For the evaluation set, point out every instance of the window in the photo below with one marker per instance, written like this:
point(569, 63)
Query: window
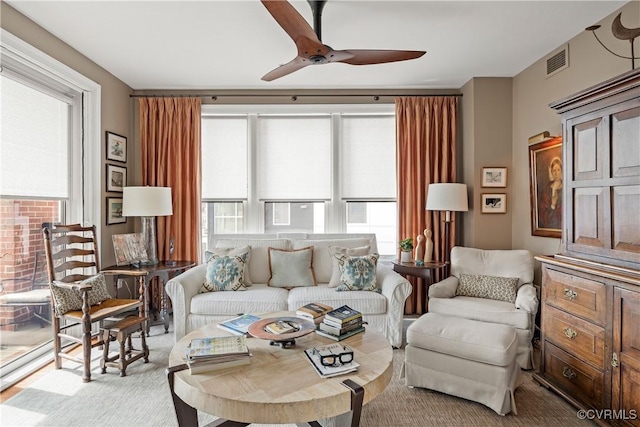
point(49, 173)
point(311, 168)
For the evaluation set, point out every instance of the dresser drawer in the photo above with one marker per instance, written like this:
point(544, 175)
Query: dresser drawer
point(577, 378)
point(574, 294)
point(574, 335)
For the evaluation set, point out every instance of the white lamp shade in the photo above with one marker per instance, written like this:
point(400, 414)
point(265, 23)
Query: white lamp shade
point(447, 197)
point(146, 201)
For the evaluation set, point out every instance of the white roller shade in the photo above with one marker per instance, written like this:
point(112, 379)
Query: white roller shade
point(34, 138)
point(224, 158)
point(294, 158)
point(368, 158)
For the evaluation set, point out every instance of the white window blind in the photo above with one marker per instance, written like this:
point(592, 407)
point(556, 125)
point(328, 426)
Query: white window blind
point(224, 158)
point(34, 142)
point(368, 158)
point(294, 158)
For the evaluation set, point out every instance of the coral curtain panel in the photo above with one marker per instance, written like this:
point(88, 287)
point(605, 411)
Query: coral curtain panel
point(171, 157)
point(425, 153)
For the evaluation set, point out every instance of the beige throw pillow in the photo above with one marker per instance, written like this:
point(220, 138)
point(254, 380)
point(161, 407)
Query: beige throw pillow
point(291, 269)
point(490, 287)
point(335, 267)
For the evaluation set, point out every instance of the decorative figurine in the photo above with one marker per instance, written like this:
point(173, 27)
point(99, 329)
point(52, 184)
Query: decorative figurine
point(419, 247)
point(172, 248)
point(428, 247)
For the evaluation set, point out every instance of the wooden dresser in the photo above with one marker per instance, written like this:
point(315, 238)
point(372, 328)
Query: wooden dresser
point(590, 319)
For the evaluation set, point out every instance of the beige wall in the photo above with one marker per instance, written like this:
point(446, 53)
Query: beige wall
point(116, 110)
point(589, 64)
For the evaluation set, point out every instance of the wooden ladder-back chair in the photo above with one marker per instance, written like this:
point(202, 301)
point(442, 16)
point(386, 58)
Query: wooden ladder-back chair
point(73, 265)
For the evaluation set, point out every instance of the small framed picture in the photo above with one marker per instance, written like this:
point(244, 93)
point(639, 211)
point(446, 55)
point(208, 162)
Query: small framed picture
point(116, 147)
point(494, 177)
point(116, 178)
point(494, 203)
point(114, 211)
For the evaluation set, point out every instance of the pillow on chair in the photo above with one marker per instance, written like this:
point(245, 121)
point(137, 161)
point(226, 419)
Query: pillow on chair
point(490, 287)
point(98, 292)
point(70, 300)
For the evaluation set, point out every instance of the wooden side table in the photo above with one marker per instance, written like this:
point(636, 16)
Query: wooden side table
point(425, 272)
point(164, 271)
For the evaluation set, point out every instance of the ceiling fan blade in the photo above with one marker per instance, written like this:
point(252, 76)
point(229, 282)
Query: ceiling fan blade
point(288, 68)
point(366, 56)
point(290, 20)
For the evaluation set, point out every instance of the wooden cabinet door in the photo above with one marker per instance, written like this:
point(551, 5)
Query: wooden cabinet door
point(626, 355)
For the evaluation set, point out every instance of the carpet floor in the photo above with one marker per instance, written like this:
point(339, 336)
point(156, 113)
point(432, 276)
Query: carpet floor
point(142, 398)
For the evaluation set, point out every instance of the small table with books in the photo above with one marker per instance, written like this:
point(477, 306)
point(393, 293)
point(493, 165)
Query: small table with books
point(280, 385)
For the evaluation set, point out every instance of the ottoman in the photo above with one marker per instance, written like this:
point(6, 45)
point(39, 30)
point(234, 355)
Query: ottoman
point(465, 358)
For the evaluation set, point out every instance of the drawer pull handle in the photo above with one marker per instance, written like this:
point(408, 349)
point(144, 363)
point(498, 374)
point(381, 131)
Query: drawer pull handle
point(570, 294)
point(568, 373)
point(570, 333)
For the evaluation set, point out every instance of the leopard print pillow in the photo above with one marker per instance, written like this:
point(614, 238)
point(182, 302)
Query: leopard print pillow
point(490, 287)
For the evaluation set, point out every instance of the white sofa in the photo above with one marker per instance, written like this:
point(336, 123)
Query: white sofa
point(520, 315)
point(383, 311)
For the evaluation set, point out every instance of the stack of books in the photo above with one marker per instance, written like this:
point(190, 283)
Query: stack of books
point(210, 354)
point(341, 323)
point(238, 325)
point(314, 311)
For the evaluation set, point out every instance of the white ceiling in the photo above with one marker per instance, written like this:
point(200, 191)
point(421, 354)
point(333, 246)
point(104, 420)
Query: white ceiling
point(215, 44)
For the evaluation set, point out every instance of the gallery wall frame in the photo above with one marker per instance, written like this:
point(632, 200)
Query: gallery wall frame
point(116, 178)
point(494, 177)
point(114, 211)
point(116, 147)
point(494, 203)
point(546, 187)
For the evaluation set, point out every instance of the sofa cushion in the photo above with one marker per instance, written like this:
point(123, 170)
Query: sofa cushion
point(322, 259)
point(232, 251)
point(290, 269)
point(257, 299)
point(225, 273)
point(335, 267)
point(259, 258)
point(358, 273)
point(485, 310)
point(491, 287)
point(364, 301)
point(489, 343)
point(505, 263)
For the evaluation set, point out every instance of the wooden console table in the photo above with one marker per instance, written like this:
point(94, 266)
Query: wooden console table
point(425, 272)
point(163, 271)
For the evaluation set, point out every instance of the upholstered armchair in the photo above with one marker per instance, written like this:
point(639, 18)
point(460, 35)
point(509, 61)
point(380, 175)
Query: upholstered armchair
point(494, 286)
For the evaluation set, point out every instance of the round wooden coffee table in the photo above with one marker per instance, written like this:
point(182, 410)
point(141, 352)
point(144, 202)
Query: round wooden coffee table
point(280, 386)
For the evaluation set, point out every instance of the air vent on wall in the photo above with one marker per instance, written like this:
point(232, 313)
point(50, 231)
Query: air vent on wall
point(558, 60)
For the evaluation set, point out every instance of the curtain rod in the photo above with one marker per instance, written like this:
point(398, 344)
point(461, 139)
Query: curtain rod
point(293, 97)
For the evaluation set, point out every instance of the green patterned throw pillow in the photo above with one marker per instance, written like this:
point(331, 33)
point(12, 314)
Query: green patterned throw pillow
point(358, 273)
point(490, 287)
point(225, 273)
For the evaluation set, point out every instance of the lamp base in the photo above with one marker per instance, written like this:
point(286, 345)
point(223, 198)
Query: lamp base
point(150, 241)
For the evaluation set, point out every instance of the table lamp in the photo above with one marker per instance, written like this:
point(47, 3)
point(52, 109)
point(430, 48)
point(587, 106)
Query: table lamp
point(447, 197)
point(147, 203)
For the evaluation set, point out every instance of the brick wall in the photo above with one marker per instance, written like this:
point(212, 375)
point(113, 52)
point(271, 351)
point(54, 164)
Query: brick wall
point(21, 247)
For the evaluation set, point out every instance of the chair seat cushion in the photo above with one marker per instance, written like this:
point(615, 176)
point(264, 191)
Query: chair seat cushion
point(488, 343)
point(484, 310)
point(259, 298)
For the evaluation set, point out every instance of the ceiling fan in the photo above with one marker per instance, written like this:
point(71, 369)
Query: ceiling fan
point(311, 50)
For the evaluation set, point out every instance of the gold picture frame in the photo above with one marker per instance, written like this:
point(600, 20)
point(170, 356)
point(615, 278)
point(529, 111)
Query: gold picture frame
point(546, 188)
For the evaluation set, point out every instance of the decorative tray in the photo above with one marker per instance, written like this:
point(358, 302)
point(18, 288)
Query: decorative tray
point(303, 327)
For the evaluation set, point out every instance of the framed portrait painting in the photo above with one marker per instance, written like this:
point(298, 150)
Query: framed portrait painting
point(546, 189)
point(116, 178)
point(116, 147)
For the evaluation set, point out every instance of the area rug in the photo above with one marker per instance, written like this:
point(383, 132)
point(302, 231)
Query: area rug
point(142, 398)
